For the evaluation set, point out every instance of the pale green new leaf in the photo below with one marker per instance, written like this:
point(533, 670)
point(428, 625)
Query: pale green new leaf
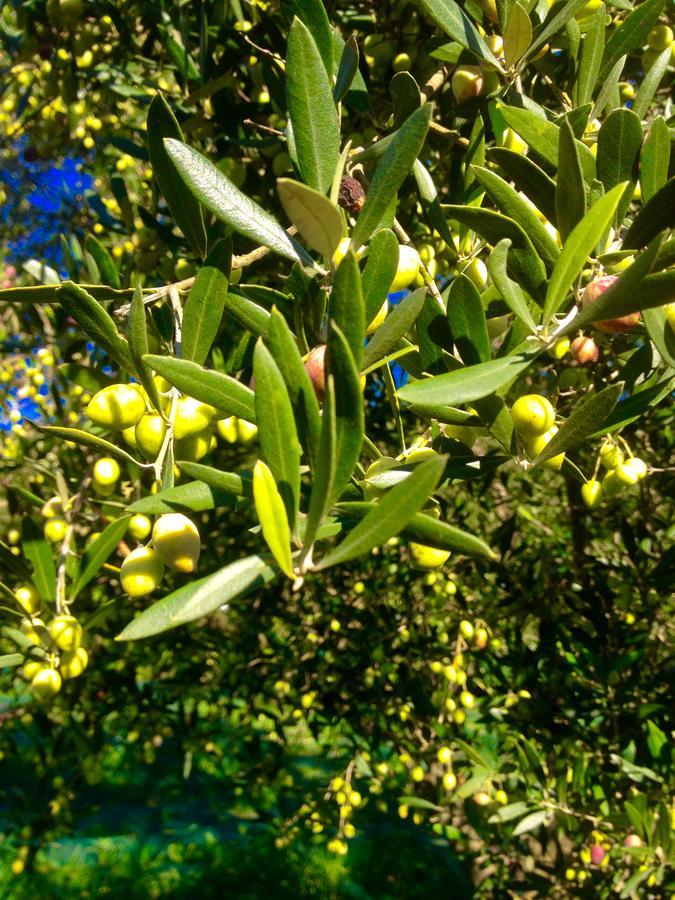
point(316, 218)
point(272, 516)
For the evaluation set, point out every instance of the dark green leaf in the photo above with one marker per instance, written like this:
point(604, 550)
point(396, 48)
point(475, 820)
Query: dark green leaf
point(349, 66)
point(348, 408)
point(556, 20)
point(222, 391)
point(467, 384)
point(379, 272)
point(619, 141)
point(277, 431)
point(316, 218)
point(205, 303)
point(650, 83)
point(592, 49)
point(577, 249)
point(510, 290)
point(512, 205)
point(242, 309)
point(284, 349)
point(395, 326)
point(432, 205)
point(185, 209)
point(229, 204)
point(104, 261)
point(661, 334)
point(390, 515)
point(570, 195)
point(322, 485)
point(452, 19)
point(582, 422)
point(405, 95)
point(657, 214)
point(86, 439)
point(138, 348)
point(528, 178)
point(526, 266)
point(391, 170)
point(630, 34)
point(313, 14)
point(201, 598)
point(312, 113)
point(345, 306)
point(466, 316)
point(98, 552)
point(95, 322)
point(238, 484)
point(195, 496)
point(37, 551)
point(542, 136)
point(654, 159)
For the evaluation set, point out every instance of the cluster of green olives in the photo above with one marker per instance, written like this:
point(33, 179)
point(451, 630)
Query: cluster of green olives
point(175, 543)
point(62, 655)
point(534, 421)
point(622, 470)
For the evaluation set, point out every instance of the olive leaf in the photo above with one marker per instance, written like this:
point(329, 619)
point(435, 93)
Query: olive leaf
point(316, 218)
point(272, 516)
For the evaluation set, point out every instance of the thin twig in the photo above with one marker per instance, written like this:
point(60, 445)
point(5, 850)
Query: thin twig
point(70, 515)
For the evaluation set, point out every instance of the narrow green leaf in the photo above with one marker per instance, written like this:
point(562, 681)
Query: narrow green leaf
point(542, 136)
point(104, 261)
point(316, 218)
point(528, 178)
point(138, 347)
point(581, 423)
point(466, 316)
point(379, 272)
point(185, 209)
point(245, 311)
point(37, 551)
point(511, 204)
point(222, 391)
point(570, 195)
point(577, 249)
point(451, 18)
point(324, 475)
point(391, 170)
point(525, 264)
point(348, 408)
point(660, 332)
point(312, 112)
point(201, 598)
point(467, 384)
point(284, 349)
point(432, 205)
point(95, 322)
point(657, 214)
point(98, 552)
point(517, 35)
point(633, 408)
point(592, 47)
point(345, 306)
point(86, 439)
point(347, 69)
point(205, 303)
point(277, 432)
point(406, 97)
point(229, 204)
point(238, 484)
point(195, 496)
point(650, 83)
point(429, 530)
point(556, 20)
point(313, 14)
point(631, 33)
point(272, 517)
point(654, 159)
point(390, 515)
point(608, 95)
point(510, 291)
point(395, 326)
point(619, 141)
